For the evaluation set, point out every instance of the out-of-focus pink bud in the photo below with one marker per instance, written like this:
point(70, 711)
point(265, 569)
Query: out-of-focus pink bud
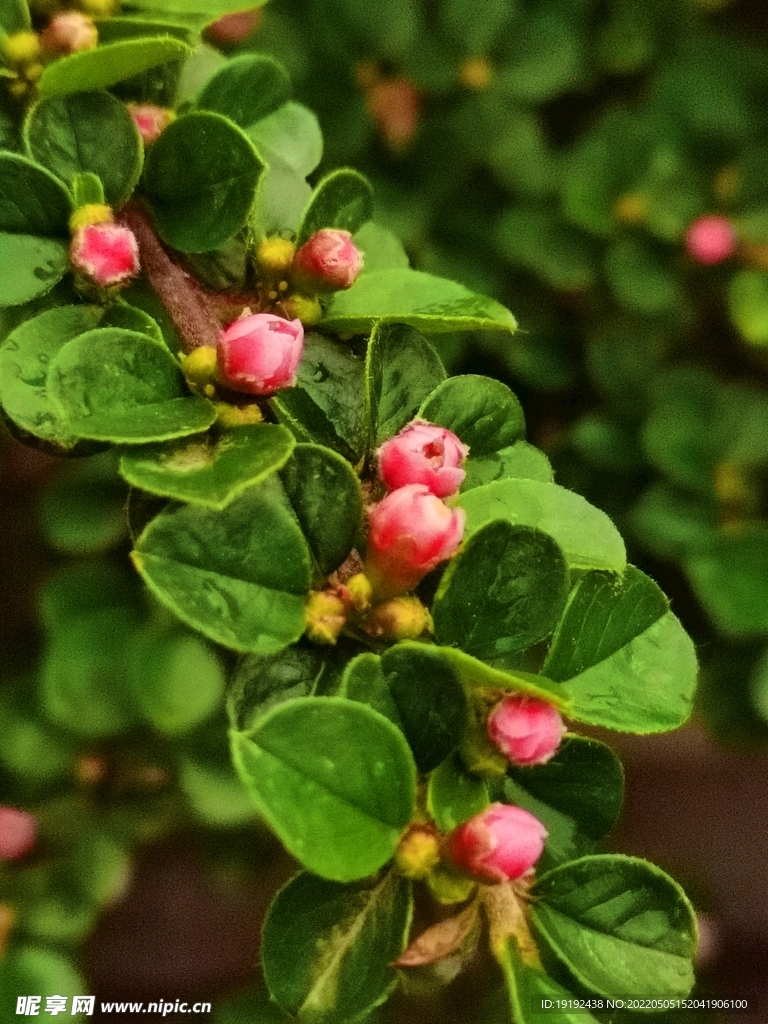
point(105, 253)
point(69, 32)
point(260, 353)
point(150, 120)
point(18, 833)
point(500, 844)
point(327, 262)
point(233, 28)
point(423, 454)
point(410, 532)
point(711, 239)
point(524, 729)
point(394, 106)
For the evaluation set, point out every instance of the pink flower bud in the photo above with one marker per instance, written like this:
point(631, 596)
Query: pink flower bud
point(69, 32)
point(410, 532)
point(711, 239)
point(259, 354)
point(423, 454)
point(524, 729)
point(106, 253)
point(394, 106)
point(233, 28)
point(500, 844)
point(18, 833)
point(327, 262)
point(150, 120)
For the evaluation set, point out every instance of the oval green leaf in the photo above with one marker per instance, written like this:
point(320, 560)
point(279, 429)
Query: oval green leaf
point(247, 88)
point(334, 779)
point(107, 65)
point(484, 413)
point(32, 200)
point(343, 199)
point(454, 795)
point(520, 461)
point(31, 266)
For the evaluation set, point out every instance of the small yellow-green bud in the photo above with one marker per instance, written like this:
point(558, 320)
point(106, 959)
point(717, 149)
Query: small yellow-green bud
point(360, 591)
point(303, 307)
point(237, 415)
point(274, 257)
point(447, 886)
point(21, 47)
point(199, 367)
point(400, 618)
point(475, 73)
point(629, 209)
point(326, 617)
point(419, 852)
point(91, 213)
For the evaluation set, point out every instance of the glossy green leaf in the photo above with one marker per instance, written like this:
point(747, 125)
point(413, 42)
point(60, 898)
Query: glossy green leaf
point(381, 248)
point(325, 406)
point(292, 135)
point(327, 948)
point(474, 672)
point(31, 266)
point(481, 411)
point(364, 681)
point(200, 178)
point(178, 680)
point(586, 535)
point(131, 318)
point(401, 369)
point(15, 17)
point(246, 89)
point(211, 470)
point(87, 132)
point(432, 304)
point(343, 199)
point(115, 29)
point(107, 65)
point(207, 9)
point(325, 494)
point(454, 794)
point(32, 200)
point(116, 385)
point(627, 661)
point(25, 358)
point(281, 196)
point(520, 461)
point(239, 576)
point(532, 992)
point(503, 592)
point(577, 795)
point(335, 780)
point(619, 924)
point(729, 577)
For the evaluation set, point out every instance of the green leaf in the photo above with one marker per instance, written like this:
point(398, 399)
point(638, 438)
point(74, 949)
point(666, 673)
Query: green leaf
point(207, 9)
point(520, 461)
point(327, 948)
point(120, 386)
point(619, 924)
point(178, 680)
point(83, 511)
point(640, 277)
point(131, 318)
point(364, 681)
point(483, 412)
point(239, 576)
point(29, 969)
point(292, 135)
point(672, 523)
point(504, 591)
point(118, 27)
point(343, 199)
point(334, 779)
point(454, 795)
point(577, 795)
point(474, 672)
point(325, 406)
point(627, 661)
point(32, 200)
point(107, 65)
point(282, 195)
point(246, 89)
point(325, 495)
point(411, 297)
point(211, 470)
point(15, 17)
point(217, 797)
point(24, 360)
point(31, 267)
point(401, 369)
point(748, 305)
point(200, 178)
point(532, 992)
point(586, 535)
point(87, 132)
point(381, 248)
point(729, 577)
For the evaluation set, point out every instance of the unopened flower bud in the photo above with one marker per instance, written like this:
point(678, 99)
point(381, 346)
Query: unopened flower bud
point(423, 454)
point(150, 120)
point(329, 261)
point(326, 617)
point(69, 32)
point(526, 730)
point(500, 844)
point(400, 618)
point(274, 257)
point(260, 353)
point(360, 591)
point(107, 254)
point(233, 28)
point(20, 47)
point(18, 833)
point(409, 533)
point(418, 852)
point(711, 239)
point(303, 307)
point(394, 106)
point(200, 367)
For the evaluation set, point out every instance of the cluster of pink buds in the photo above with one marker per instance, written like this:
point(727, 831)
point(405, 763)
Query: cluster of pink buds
point(102, 251)
point(18, 833)
point(412, 530)
point(259, 353)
